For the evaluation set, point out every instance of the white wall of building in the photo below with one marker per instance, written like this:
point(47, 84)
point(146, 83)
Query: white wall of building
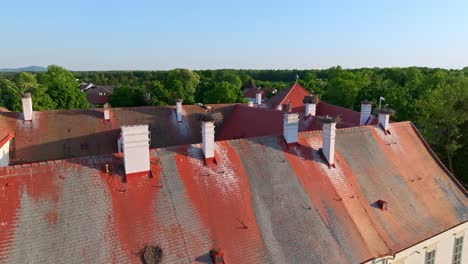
point(442, 243)
point(5, 154)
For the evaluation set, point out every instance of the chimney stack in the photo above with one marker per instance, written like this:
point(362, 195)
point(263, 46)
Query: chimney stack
point(310, 102)
point(258, 97)
point(107, 107)
point(250, 104)
point(208, 132)
point(135, 144)
point(27, 107)
point(290, 127)
point(366, 108)
point(179, 110)
point(384, 117)
point(328, 139)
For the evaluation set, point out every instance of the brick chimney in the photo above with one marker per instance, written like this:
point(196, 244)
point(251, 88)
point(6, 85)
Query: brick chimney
point(135, 144)
point(258, 97)
point(179, 110)
point(328, 139)
point(290, 127)
point(310, 102)
point(208, 132)
point(366, 108)
point(107, 107)
point(27, 107)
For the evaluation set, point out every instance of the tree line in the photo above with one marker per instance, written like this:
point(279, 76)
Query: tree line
point(435, 100)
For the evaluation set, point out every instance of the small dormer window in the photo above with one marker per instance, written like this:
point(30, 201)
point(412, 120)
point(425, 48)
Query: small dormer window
point(382, 205)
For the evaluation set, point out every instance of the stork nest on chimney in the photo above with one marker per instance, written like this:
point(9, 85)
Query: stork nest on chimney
point(178, 100)
point(211, 117)
point(310, 99)
point(26, 95)
point(287, 107)
point(329, 119)
point(366, 102)
point(386, 110)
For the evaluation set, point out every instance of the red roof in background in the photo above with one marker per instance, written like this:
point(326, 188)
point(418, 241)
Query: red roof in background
point(2, 109)
point(252, 93)
point(76, 133)
point(292, 95)
point(248, 122)
point(262, 201)
point(97, 99)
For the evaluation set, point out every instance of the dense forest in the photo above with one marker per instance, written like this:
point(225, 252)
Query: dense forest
point(435, 100)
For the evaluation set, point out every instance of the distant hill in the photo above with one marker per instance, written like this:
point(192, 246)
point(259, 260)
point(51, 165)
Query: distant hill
point(26, 69)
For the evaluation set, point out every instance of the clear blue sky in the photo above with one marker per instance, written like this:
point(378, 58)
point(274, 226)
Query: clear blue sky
point(209, 34)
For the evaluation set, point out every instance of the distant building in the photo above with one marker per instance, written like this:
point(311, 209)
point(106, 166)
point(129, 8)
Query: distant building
point(96, 95)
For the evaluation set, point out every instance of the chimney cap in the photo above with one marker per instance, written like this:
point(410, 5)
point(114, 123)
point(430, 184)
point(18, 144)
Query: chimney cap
point(179, 100)
point(287, 107)
point(329, 119)
point(310, 99)
point(386, 110)
point(365, 102)
point(107, 106)
point(26, 95)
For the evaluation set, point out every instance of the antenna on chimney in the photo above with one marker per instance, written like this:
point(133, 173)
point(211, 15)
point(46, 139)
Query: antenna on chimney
point(380, 101)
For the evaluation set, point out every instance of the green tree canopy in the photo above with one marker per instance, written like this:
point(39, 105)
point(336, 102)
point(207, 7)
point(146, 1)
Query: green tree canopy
point(62, 88)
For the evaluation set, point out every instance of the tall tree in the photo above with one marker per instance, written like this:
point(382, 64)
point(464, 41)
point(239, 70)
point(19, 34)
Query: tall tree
point(10, 98)
point(62, 88)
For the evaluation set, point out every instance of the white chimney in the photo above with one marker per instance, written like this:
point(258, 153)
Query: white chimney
point(384, 119)
point(250, 104)
point(135, 144)
point(27, 107)
point(208, 139)
point(179, 110)
point(310, 109)
point(328, 138)
point(107, 112)
point(258, 99)
point(366, 108)
point(310, 102)
point(290, 127)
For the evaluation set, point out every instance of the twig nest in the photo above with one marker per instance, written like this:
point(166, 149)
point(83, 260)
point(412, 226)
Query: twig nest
point(287, 107)
point(365, 102)
point(178, 100)
point(211, 117)
point(310, 99)
point(386, 110)
point(107, 106)
point(329, 119)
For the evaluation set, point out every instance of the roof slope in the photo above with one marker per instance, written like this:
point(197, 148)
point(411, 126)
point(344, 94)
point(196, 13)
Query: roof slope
point(263, 202)
point(76, 133)
point(292, 95)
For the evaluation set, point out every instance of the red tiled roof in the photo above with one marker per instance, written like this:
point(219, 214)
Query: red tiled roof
point(248, 122)
point(76, 133)
point(263, 202)
point(97, 99)
point(252, 93)
point(2, 109)
point(292, 95)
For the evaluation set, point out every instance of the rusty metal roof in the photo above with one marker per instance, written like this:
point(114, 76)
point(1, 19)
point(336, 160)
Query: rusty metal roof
point(262, 202)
